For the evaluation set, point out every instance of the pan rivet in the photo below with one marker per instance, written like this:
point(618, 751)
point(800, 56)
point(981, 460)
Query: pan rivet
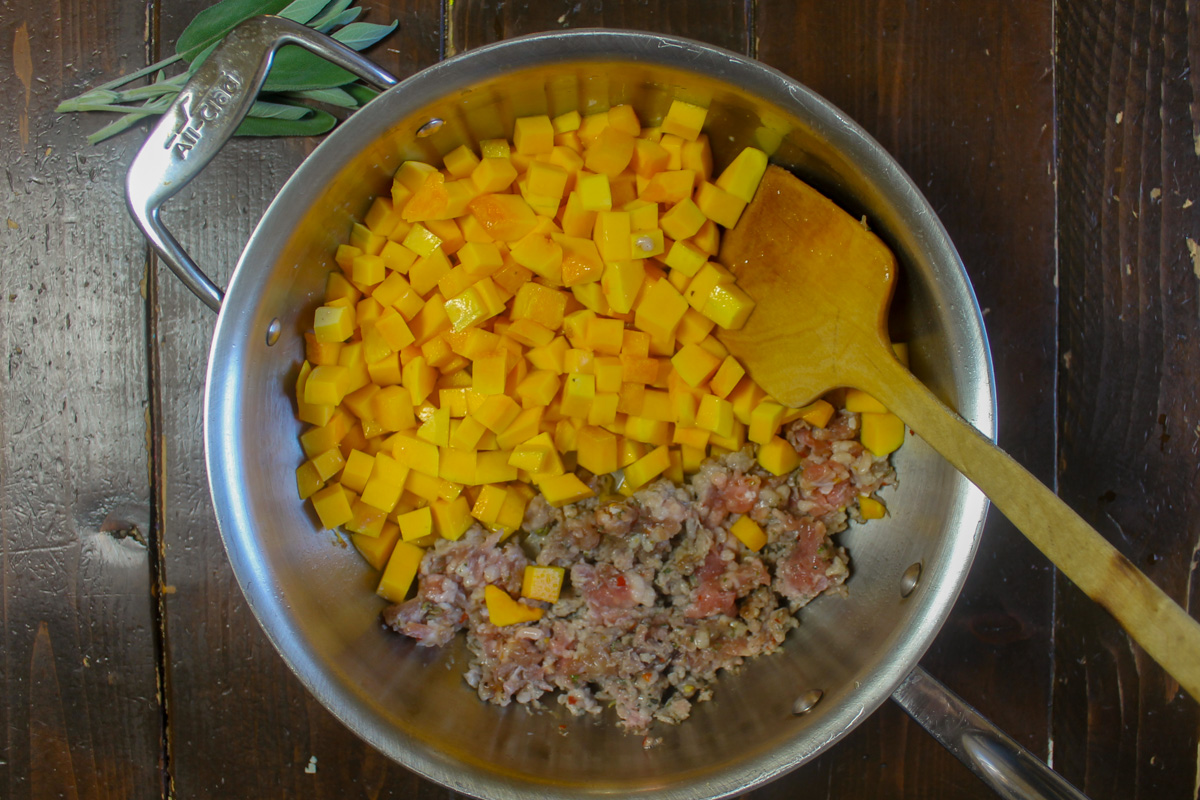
point(910, 579)
point(273, 331)
point(805, 702)
point(430, 128)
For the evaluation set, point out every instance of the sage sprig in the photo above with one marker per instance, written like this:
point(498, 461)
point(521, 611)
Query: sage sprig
point(297, 76)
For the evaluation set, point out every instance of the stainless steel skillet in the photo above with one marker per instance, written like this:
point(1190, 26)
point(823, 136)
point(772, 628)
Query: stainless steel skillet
point(314, 600)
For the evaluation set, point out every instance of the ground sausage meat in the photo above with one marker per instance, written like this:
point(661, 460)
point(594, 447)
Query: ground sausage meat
point(660, 596)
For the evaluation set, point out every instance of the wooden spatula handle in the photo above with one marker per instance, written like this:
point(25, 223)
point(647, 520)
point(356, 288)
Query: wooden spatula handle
point(1166, 632)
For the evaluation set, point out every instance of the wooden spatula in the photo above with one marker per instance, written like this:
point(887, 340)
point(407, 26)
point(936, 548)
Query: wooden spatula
point(822, 284)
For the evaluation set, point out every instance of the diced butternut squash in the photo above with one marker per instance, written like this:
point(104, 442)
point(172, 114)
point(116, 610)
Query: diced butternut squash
point(870, 508)
point(621, 281)
point(882, 434)
point(541, 304)
point(503, 610)
point(416, 524)
point(597, 449)
point(611, 234)
point(533, 135)
point(859, 401)
point(749, 532)
point(333, 323)
point(308, 480)
point(695, 364)
point(728, 306)
point(562, 489)
point(377, 550)
point(505, 217)
point(716, 415)
point(451, 518)
point(332, 505)
point(542, 583)
point(528, 311)
point(682, 220)
point(648, 467)
point(660, 309)
point(777, 456)
point(400, 572)
point(727, 377)
point(817, 413)
point(742, 176)
point(684, 120)
point(493, 175)
point(610, 152)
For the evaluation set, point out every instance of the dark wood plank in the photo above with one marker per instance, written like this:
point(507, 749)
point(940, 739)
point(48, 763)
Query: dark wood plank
point(80, 714)
point(923, 80)
point(1126, 89)
point(479, 23)
point(240, 724)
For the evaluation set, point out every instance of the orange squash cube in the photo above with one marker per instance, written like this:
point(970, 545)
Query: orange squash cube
point(682, 220)
point(503, 610)
point(400, 572)
point(684, 120)
point(505, 217)
point(777, 456)
point(542, 583)
point(610, 152)
point(562, 489)
point(541, 304)
point(533, 135)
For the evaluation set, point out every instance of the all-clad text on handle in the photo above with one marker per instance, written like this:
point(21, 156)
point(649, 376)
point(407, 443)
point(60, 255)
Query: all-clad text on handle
point(205, 114)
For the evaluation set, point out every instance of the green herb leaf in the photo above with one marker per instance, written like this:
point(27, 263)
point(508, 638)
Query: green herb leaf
point(263, 109)
point(303, 11)
point(331, 12)
point(141, 73)
point(361, 35)
point(296, 75)
point(314, 123)
point(297, 70)
point(361, 94)
point(118, 126)
point(200, 58)
point(333, 97)
point(344, 18)
point(211, 24)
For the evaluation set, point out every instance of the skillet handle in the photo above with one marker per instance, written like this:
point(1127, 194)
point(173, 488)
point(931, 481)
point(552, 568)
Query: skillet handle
point(1009, 769)
point(205, 114)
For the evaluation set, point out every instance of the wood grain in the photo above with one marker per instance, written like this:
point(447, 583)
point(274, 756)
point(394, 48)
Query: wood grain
point(961, 92)
point(239, 723)
point(77, 670)
point(921, 79)
point(479, 23)
point(1127, 394)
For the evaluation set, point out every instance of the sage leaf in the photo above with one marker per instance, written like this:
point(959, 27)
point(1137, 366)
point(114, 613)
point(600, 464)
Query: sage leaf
point(314, 123)
point(297, 75)
point(331, 12)
point(141, 73)
point(361, 94)
point(118, 126)
point(200, 58)
point(361, 35)
point(297, 70)
point(211, 24)
point(263, 109)
point(303, 11)
point(334, 97)
point(344, 18)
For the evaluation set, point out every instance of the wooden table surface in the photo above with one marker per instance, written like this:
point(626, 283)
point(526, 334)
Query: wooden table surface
point(1059, 143)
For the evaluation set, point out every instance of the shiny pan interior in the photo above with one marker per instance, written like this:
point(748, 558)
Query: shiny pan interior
point(315, 598)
